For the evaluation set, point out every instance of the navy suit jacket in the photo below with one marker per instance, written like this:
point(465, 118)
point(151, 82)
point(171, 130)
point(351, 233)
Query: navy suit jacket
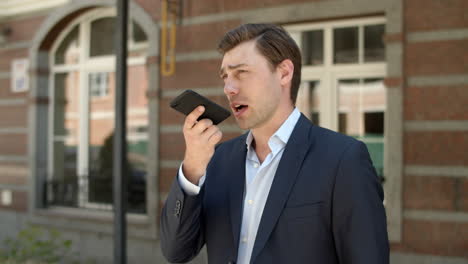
point(324, 206)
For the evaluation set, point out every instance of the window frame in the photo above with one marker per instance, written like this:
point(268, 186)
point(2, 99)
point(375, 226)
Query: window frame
point(327, 73)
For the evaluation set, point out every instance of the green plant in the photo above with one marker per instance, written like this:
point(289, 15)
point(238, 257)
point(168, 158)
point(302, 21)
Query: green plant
point(34, 245)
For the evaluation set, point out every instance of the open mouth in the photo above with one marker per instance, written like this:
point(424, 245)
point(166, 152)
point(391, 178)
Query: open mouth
point(238, 109)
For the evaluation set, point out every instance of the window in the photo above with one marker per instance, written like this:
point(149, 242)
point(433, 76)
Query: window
point(345, 45)
point(342, 79)
point(98, 84)
point(309, 101)
point(82, 115)
point(363, 100)
point(313, 40)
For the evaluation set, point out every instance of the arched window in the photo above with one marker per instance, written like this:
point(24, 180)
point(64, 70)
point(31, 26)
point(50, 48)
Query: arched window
point(81, 121)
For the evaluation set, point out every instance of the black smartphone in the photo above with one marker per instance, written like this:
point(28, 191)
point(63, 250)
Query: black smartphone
point(187, 101)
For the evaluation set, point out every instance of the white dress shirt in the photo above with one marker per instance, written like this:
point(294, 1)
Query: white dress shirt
point(258, 180)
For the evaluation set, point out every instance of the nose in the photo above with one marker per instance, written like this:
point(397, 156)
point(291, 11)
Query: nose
point(230, 87)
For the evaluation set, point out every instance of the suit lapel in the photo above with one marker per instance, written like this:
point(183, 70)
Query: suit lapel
point(285, 177)
point(236, 175)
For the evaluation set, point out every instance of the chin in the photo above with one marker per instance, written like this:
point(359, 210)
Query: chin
point(243, 124)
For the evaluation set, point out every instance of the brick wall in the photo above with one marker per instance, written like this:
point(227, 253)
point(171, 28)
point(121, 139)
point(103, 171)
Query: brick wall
point(436, 102)
point(14, 115)
point(422, 15)
point(201, 37)
point(208, 7)
point(434, 204)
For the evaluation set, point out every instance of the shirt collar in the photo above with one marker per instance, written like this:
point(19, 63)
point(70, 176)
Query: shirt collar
point(279, 139)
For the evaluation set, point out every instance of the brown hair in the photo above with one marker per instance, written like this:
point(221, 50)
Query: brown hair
point(273, 42)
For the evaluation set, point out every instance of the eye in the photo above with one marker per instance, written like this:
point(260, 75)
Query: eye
point(239, 72)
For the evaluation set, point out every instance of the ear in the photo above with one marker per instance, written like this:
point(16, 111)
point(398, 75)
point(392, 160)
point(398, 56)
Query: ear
point(286, 71)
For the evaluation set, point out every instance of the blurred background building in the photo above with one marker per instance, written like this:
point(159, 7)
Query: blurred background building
point(392, 73)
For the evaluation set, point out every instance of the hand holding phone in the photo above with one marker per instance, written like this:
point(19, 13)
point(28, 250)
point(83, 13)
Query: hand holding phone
point(201, 132)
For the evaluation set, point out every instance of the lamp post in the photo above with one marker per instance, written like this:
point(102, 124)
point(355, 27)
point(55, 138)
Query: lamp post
point(120, 147)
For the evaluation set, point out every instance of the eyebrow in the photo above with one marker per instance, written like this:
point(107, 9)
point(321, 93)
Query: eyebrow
point(231, 67)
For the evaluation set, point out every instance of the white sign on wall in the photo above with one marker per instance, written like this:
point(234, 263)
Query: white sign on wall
point(19, 75)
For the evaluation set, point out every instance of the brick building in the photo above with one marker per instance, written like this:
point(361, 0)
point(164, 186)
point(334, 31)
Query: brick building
point(392, 73)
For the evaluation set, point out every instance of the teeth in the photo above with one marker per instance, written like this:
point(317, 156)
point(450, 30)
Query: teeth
point(237, 106)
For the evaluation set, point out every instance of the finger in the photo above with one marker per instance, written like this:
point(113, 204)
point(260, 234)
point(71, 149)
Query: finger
point(216, 137)
point(202, 125)
point(210, 131)
point(191, 118)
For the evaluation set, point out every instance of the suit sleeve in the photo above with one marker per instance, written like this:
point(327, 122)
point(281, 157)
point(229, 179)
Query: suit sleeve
point(359, 220)
point(181, 225)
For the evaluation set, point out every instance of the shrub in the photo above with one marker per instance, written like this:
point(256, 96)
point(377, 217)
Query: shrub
point(34, 245)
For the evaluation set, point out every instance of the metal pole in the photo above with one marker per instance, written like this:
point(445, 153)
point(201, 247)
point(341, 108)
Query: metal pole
point(120, 146)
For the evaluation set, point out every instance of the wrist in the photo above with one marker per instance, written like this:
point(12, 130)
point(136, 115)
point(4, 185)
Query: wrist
point(192, 174)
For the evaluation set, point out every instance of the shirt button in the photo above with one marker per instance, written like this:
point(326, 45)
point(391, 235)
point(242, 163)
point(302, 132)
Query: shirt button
point(244, 240)
point(250, 201)
point(255, 165)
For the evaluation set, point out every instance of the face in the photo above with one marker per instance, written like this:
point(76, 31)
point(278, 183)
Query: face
point(251, 85)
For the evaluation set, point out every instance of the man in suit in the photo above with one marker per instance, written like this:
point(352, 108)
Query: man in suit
point(285, 192)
